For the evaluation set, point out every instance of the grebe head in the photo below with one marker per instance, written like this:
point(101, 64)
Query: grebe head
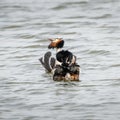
point(56, 43)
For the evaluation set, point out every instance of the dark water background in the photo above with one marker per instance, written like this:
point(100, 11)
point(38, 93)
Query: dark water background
point(91, 30)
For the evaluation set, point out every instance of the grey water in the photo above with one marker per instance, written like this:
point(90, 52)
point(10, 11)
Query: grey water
point(91, 30)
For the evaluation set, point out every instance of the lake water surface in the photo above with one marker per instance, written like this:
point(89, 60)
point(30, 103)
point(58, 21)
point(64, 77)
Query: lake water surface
point(91, 30)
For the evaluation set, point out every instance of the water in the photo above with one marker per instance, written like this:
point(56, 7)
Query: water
point(91, 30)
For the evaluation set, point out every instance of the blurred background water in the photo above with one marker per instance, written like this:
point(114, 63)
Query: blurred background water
point(91, 30)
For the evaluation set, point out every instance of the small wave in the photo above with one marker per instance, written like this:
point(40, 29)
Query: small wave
point(101, 16)
point(77, 2)
point(99, 52)
point(115, 65)
point(67, 4)
point(59, 7)
point(11, 27)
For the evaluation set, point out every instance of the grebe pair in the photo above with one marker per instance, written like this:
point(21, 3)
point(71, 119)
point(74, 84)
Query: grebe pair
point(64, 66)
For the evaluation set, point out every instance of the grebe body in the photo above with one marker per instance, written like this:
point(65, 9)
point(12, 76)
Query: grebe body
point(64, 66)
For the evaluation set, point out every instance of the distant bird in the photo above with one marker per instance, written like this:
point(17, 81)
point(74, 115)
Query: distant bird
point(64, 66)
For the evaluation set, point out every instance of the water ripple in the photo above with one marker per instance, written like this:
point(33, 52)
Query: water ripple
point(90, 30)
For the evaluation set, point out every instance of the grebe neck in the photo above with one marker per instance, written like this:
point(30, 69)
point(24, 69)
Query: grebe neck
point(58, 50)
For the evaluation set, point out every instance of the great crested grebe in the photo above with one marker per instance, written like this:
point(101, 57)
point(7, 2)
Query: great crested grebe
point(64, 66)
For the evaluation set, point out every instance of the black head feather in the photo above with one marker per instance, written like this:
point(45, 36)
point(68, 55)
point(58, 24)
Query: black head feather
point(65, 57)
